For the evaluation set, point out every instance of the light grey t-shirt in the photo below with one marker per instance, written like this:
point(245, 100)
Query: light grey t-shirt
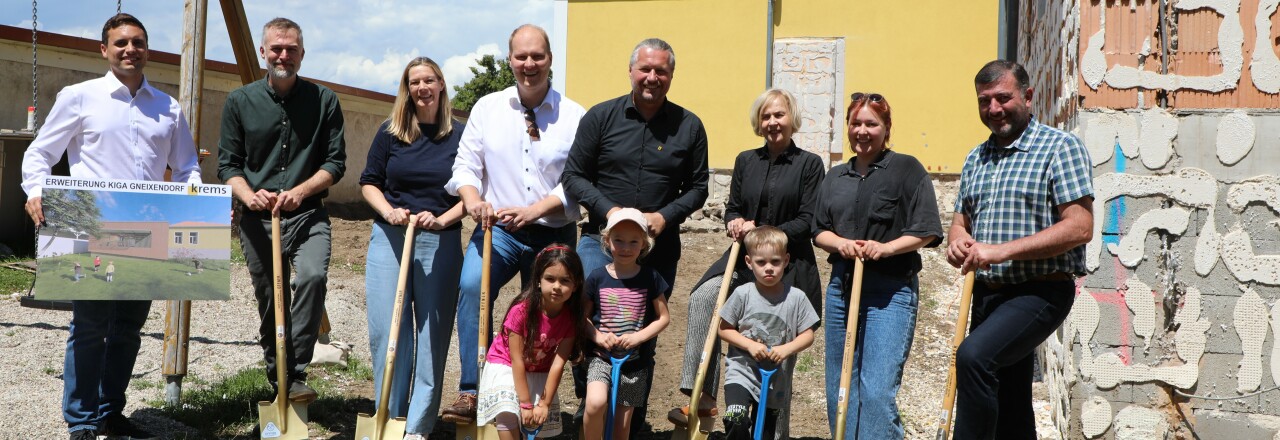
point(774, 321)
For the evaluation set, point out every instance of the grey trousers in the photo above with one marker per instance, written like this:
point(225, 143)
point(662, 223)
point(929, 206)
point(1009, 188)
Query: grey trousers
point(702, 303)
point(305, 245)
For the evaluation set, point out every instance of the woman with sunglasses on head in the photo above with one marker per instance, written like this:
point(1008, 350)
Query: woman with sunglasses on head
point(408, 165)
point(878, 207)
point(775, 184)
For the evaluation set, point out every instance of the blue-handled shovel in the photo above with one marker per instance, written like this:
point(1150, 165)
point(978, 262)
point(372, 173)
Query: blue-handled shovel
point(762, 406)
point(614, 375)
point(531, 433)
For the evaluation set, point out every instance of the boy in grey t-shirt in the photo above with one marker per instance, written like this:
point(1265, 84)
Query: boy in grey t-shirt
point(766, 323)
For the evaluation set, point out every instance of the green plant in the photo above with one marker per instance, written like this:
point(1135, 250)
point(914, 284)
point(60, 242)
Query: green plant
point(806, 362)
point(14, 280)
point(228, 408)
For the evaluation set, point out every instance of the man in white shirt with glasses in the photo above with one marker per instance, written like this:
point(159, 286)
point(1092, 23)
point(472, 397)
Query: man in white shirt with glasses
point(508, 175)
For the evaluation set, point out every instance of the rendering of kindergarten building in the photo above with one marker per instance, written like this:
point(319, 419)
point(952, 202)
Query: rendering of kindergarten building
point(158, 240)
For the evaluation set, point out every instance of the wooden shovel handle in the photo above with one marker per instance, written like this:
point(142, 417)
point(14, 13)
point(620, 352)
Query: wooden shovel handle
point(850, 342)
point(393, 338)
point(962, 328)
point(704, 361)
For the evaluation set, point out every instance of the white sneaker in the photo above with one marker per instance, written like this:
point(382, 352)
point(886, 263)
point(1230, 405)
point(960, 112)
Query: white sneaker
point(414, 437)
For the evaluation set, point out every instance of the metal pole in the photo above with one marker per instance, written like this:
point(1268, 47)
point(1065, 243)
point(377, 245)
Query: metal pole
point(768, 56)
point(177, 326)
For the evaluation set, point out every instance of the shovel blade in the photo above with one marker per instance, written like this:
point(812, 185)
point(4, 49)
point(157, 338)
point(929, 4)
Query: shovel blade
point(289, 423)
point(367, 428)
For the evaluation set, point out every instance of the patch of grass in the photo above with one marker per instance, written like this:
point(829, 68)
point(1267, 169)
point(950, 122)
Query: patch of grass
point(228, 408)
point(808, 361)
point(50, 371)
point(14, 280)
point(237, 252)
point(135, 278)
point(143, 384)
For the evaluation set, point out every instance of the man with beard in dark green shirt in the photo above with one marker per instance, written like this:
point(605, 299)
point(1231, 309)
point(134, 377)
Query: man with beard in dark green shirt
point(281, 149)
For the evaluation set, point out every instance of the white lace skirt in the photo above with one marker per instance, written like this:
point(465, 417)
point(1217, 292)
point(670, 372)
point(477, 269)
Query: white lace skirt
point(498, 395)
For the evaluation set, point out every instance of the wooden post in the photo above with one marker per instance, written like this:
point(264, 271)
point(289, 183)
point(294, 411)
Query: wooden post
point(177, 316)
point(241, 40)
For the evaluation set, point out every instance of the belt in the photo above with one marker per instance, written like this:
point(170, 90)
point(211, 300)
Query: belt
point(1056, 276)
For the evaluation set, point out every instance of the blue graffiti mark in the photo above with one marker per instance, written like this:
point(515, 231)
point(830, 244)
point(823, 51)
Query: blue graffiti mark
point(1116, 207)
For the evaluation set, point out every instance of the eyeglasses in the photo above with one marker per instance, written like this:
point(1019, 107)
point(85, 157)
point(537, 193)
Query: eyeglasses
point(531, 124)
point(870, 97)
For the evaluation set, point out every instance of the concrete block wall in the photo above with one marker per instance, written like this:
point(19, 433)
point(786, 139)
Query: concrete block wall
point(1174, 330)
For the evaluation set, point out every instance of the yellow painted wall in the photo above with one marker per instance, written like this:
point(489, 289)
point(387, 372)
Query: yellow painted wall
point(921, 55)
point(210, 238)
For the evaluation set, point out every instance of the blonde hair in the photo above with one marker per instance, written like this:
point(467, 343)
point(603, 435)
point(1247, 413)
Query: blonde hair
point(765, 236)
point(769, 97)
point(403, 121)
point(604, 240)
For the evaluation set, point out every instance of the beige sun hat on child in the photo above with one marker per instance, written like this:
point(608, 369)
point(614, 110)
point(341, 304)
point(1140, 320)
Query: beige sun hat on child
point(629, 215)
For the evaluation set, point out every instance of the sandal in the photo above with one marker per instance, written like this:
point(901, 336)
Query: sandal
point(680, 416)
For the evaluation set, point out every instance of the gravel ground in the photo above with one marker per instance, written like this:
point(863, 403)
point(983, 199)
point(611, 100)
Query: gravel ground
point(32, 343)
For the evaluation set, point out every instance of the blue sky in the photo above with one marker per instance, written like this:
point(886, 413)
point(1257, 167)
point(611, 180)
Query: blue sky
point(172, 208)
point(361, 43)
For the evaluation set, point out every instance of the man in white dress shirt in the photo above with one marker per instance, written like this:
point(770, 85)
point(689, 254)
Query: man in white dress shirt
point(114, 127)
point(508, 175)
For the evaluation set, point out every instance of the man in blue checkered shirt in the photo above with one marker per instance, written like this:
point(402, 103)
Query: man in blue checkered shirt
point(1022, 218)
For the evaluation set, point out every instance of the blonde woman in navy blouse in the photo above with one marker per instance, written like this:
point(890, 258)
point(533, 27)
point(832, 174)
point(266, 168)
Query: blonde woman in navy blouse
point(410, 161)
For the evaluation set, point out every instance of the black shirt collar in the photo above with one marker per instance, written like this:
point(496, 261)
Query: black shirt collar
point(787, 155)
point(882, 162)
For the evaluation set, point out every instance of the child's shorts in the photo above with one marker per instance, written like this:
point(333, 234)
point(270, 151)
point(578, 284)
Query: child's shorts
point(498, 395)
point(633, 383)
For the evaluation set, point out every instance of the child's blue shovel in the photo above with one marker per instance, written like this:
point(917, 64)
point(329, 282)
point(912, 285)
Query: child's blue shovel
point(765, 375)
point(613, 391)
point(531, 433)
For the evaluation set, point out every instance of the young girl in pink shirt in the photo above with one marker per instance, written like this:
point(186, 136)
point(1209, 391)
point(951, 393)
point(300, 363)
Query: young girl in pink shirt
point(538, 336)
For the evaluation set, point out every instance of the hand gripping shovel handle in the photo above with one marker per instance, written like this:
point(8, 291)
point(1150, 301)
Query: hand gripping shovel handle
point(614, 374)
point(962, 328)
point(850, 341)
point(762, 406)
point(393, 338)
point(704, 362)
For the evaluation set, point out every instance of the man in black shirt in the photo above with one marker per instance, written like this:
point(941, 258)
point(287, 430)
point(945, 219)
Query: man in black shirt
point(639, 151)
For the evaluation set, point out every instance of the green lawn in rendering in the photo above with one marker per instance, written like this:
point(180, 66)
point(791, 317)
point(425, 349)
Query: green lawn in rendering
point(134, 279)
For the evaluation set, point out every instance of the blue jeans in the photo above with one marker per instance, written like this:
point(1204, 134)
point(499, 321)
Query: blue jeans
point(101, 349)
point(512, 252)
point(430, 294)
point(887, 322)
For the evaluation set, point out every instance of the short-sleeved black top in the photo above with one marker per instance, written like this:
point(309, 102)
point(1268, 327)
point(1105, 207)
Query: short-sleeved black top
point(895, 198)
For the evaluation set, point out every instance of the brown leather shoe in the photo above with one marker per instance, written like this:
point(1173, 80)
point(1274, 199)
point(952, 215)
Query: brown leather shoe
point(462, 411)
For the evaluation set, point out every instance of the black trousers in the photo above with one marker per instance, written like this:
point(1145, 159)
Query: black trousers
point(740, 417)
point(994, 365)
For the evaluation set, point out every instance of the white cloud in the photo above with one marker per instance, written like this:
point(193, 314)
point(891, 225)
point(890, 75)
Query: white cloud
point(106, 199)
point(151, 213)
point(358, 71)
point(457, 68)
point(349, 42)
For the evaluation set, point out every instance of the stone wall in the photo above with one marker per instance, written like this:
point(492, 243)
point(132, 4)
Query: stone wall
point(1174, 330)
